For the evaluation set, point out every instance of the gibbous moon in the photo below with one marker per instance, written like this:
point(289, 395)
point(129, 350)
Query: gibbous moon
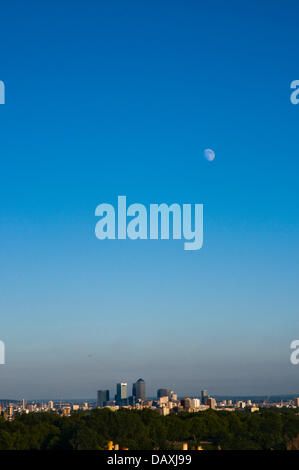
point(209, 154)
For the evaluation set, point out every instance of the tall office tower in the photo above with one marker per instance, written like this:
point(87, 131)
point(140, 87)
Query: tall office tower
point(103, 397)
point(204, 396)
point(138, 390)
point(163, 392)
point(121, 393)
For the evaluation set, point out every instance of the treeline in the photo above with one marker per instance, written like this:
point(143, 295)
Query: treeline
point(146, 429)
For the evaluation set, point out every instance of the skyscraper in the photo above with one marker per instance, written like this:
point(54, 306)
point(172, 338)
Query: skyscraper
point(163, 392)
point(121, 393)
point(103, 397)
point(139, 390)
point(204, 396)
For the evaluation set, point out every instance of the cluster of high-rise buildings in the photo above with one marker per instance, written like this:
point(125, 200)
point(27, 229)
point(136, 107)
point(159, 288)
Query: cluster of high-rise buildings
point(166, 400)
point(121, 397)
point(138, 396)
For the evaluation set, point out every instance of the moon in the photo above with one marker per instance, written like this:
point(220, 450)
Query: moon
point(209, 154)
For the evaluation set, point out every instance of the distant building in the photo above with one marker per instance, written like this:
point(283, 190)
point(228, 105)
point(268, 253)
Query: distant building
point(195, 402)
point(163, 392)
point(139, 390)
point(163, 411)
point(162, 400)
point(241, 404)
point(211, 402)
point(113, 407)
point(254, 408)
point(186, 403)
point(103, 397)
point(204, 396)
point(132, 399)
point(121, 397)
point(51, 405)
point(296, 402)
point(66, 411)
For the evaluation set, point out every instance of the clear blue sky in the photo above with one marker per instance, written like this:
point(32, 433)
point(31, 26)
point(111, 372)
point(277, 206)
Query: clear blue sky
point(112, 98)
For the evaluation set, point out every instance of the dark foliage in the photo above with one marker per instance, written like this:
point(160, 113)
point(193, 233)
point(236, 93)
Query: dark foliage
point(141, 430)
